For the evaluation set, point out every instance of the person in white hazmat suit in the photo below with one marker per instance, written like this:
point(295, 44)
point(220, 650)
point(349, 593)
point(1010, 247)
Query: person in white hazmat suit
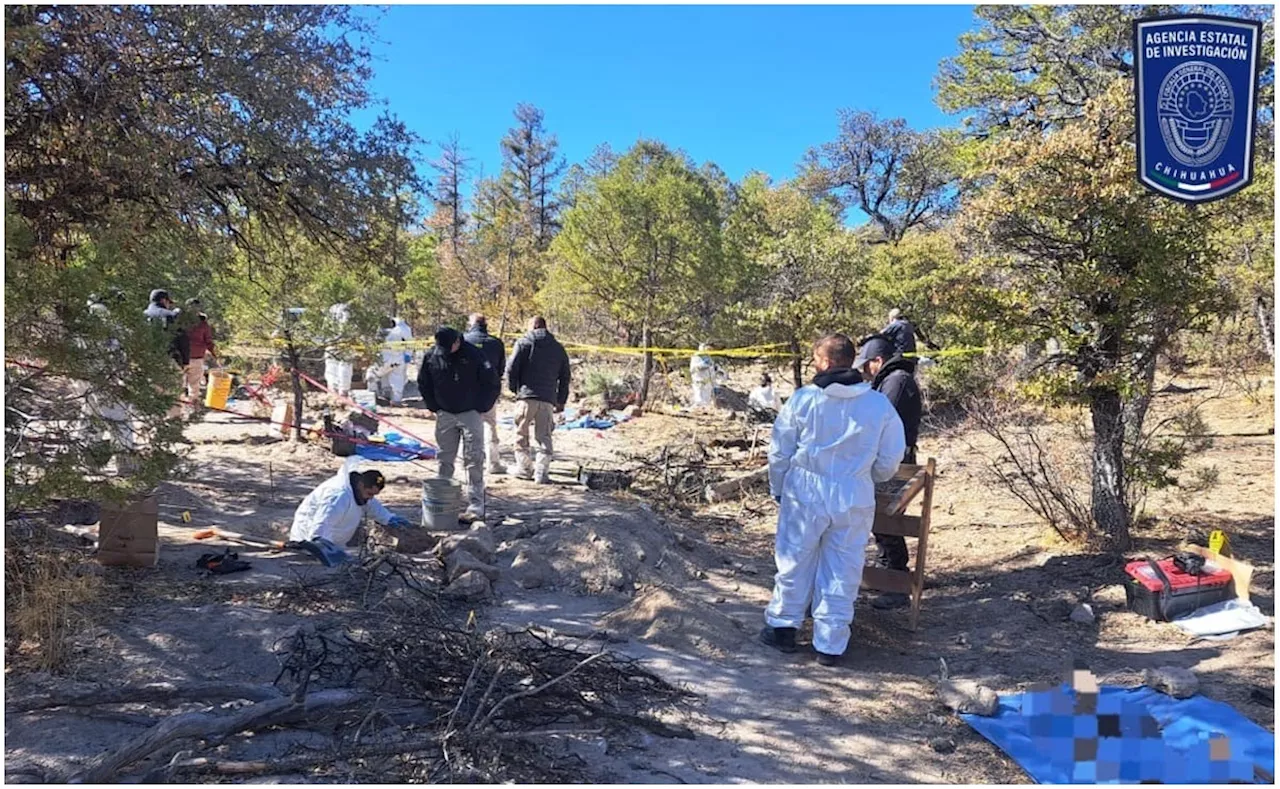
point(765, 396)
point(338, 368)
point(329, 516)
point(392, 370)
point(702, 372)
point(833, 440)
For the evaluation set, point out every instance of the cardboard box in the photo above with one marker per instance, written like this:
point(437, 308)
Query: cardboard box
point(129, 534)
point(1241, 572)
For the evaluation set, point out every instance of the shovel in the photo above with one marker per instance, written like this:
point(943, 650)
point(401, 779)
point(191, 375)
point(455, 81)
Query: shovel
point(233, 536)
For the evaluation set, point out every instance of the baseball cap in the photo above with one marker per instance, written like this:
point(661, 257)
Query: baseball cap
point(373, 478)
point(875, 346)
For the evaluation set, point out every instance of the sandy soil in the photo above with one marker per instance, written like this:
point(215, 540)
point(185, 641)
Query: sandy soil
point(684, 591)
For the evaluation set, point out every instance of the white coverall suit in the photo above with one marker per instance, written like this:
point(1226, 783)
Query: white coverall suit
point(330, 512)
point(702, 372)
point(830, 446)
point(337, 369)
point(392, 371)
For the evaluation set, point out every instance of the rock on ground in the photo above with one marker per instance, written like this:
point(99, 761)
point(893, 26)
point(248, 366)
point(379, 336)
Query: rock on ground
point(405, 540)
point(1083, 614)
point(1180, 683)
point(966, 696)
point(478, 542)
point(471, 585)
point(530, 570)
point(460, 562)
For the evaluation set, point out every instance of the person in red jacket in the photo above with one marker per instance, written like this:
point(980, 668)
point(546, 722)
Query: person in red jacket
point(200, 335)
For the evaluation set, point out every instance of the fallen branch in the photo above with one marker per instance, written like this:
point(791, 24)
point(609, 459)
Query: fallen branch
point(297, 763)
point(204, 726)
point(535, 691)
point(530, 735)
point(154, 693)
point(733, 488)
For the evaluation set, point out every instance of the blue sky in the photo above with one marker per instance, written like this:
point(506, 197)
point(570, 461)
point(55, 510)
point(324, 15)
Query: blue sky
point(748, 87)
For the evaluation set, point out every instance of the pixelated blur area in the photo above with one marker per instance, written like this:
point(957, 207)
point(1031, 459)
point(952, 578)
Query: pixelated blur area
point(1110, 740)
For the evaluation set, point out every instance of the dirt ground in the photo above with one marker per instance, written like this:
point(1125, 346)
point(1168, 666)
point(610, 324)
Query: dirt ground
point(684, 592)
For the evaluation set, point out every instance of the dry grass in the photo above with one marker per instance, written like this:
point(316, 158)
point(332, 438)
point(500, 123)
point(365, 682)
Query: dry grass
point(47, 587)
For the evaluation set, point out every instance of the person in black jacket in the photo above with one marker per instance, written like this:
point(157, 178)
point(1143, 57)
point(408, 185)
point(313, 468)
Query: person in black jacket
point(457, 383)
point(493, 350)
point(538, 375)
point(894, 377)
point(901, 333)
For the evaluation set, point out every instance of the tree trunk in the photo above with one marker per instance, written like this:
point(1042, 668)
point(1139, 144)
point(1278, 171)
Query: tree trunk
point(646, 342)
point(506, 299)
point(795, 363)
point(1266, 325)
point(1135, 411)
point(296, 379)
point(1110, 504)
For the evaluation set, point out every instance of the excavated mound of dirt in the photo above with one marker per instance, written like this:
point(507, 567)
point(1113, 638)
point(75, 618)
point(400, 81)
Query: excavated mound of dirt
point(611, 551)
point(665, 617)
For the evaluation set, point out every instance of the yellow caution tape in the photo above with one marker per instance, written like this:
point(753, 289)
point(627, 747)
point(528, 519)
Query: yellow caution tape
point(964, 350)
point(769, 350)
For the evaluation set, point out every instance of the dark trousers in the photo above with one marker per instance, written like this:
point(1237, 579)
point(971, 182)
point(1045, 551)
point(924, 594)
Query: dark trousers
point(891, 550)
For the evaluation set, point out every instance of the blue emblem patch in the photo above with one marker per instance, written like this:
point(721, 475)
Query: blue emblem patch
point(1196, 91)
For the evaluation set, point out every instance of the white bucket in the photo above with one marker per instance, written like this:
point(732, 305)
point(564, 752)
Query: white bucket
point(441, 504)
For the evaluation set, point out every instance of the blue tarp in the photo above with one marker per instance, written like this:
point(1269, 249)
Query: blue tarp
point(588, 423)
point(397, 448)
point(1126, 736)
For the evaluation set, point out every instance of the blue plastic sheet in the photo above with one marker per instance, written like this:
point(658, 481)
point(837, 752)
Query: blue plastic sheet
point(1127, 736)
point(397, 448)
point(588, 423)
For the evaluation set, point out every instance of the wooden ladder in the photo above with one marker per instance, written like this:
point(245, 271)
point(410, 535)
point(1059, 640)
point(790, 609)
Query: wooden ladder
point(891, 519)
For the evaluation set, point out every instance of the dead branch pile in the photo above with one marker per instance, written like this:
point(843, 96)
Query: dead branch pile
point(679, 475)
point(406, 689)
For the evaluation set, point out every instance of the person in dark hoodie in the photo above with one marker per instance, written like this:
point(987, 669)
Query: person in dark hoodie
point(538, 375)
point(832, 442)
point(900, 332)
point(458, 384)
point(493, 350)
point(893, 376)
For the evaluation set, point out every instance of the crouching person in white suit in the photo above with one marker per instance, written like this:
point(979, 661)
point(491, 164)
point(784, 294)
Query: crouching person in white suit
point(833, 440)
point(328, 517)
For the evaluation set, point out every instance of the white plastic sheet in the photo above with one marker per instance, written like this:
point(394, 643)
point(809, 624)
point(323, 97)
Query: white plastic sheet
point(1225, 619)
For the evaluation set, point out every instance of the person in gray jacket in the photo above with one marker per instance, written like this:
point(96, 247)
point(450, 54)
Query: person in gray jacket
point(538, 375)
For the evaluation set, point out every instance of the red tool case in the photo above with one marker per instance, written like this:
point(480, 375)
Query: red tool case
point(1161, 591)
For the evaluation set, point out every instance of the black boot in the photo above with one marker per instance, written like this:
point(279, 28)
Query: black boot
point(890, 600)
point(782, 639)
point(829, 661)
